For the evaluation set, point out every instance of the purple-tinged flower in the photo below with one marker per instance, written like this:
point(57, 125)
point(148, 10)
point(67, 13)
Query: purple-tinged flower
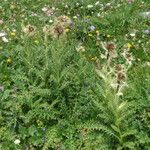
point(44, 129)
point(92, 28)
point(43, 139)
point(146, 31)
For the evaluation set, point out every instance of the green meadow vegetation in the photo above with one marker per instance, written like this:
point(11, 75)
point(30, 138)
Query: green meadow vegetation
point(74, 75)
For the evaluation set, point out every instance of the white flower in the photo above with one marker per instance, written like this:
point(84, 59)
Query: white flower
point(108, 4)
point(53, 8)
point(92, 28)
point(75, 17)
point(66, 6)
point(80, 49)
point(4, 39)
point(119, 94)
point(98, 14)
point(132, 34)
point(89, 6)
point(114, 85)
point(51, 21)
point(44, 9)
point(146, 31)
point(77, 4)
point(146, 64)
point(2, 34)
point(17, 141)
point(145, 14)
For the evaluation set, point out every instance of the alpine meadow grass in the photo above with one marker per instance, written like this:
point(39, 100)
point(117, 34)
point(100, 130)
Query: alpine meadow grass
point(74, 75)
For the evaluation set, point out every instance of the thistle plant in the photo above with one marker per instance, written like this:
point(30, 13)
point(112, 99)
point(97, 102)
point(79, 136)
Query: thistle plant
point(113, 111)
point(74, 75)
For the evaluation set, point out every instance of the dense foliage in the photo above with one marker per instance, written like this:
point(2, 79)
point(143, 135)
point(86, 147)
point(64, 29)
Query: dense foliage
point(74, 75)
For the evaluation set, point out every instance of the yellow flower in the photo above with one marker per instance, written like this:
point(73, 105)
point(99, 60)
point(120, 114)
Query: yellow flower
point(90, 35)
point(36, 41)
point(108, 36)
point(13, 33)
point(9, 61)
point(67, 30)
point(129, 45)
point(94, 58)
point(97, 32)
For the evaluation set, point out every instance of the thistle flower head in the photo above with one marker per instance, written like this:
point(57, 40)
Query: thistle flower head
point(29, 30)
point(60, 26)
point(121, 76)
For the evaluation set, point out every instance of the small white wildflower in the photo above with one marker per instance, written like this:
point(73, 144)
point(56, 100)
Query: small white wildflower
point(44, 9)
point(50, 21)
point(53, 8)
point(77, 4)
point(114, 85)
point(92, 28)
point(33, 14)
point(98, 14)
point(75, 17)
point(132, 34)
point(118, 5)
point(80, 49)
point(4, 39)
point(89, 6)
point(145, 14)
point(17, 141)
point(66, 6)
point(148, 63)
point(2, 34)
point(119, 94)
point(146, 31)
point(108, 4)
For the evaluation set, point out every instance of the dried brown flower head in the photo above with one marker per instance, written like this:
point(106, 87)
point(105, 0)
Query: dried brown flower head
point(48, 11)
point(118, 67)
point(58, 29)
point(64, 20)
point(110, 47)
point(121, 76)
point(29, 30)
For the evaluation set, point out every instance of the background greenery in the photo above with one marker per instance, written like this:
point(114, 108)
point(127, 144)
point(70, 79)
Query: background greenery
point(51, 97)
